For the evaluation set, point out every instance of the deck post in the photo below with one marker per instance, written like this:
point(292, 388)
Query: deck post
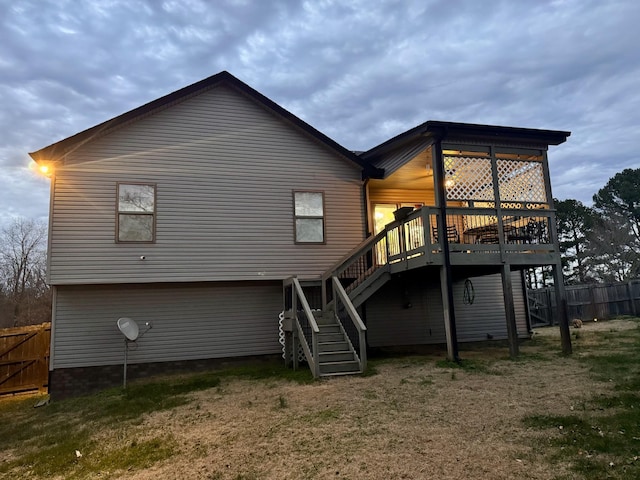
point(294, 326)
point(288, 349)
point(561, 311)
point(446, 288)
point(509, 310)
point(446, 277)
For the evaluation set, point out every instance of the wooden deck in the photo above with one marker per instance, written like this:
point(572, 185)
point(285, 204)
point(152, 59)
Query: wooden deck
point(492, 240)
point(474, 236)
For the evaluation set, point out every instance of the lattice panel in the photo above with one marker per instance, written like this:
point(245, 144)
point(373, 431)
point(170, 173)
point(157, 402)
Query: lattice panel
point(468, 178)
point(511, 205)
point(521, 181)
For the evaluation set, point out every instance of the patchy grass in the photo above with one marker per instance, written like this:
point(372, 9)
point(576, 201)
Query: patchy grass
point(469, 366)
point(602, 438)
point(268, 371)
point(68, 438)
point(543, 416)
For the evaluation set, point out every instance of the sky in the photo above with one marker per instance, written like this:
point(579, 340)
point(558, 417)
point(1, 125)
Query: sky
point(360, 71)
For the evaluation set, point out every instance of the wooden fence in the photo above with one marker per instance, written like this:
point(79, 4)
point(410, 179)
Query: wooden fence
point(586, 302)
point(24, 359)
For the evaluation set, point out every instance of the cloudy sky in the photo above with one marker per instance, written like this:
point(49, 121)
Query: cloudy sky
point(360, 71)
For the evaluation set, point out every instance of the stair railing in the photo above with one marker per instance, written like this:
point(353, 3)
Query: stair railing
point(305, 327)
point(357, 265)
point(350, 322)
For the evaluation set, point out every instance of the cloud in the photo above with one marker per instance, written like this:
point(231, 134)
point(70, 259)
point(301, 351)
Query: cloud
point(359, 71)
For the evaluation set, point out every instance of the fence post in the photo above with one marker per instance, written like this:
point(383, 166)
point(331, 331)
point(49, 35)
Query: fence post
point(632, 300)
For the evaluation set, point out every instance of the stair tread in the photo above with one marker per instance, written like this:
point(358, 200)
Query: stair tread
point(338, 374)
point(340, 362)
point(347, 358)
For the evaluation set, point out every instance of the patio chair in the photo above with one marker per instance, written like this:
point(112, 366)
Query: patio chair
point(537, 231)
point(489, 236)
point(452, 234)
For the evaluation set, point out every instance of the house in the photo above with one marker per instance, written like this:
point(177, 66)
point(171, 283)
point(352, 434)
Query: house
point(201, 211)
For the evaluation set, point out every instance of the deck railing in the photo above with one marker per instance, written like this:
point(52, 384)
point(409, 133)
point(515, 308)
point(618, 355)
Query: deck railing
point(481, 230)
point(357, 266)
point(471, 230)
point(415, 240)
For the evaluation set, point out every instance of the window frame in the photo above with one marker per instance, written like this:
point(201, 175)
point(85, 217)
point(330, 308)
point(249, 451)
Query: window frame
point(118, 213)
point(323, 218)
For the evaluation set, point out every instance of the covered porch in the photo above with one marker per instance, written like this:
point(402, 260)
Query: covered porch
point(464, 196)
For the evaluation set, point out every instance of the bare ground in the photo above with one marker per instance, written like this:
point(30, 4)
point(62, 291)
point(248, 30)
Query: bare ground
point(411, 420)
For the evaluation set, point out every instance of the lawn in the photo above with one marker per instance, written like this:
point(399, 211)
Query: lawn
point(543, 416)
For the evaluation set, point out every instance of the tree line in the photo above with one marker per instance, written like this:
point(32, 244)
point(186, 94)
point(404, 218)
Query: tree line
point(602, 243)
point(25, 297)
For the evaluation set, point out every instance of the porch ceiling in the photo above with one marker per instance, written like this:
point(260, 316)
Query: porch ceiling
point(414, 175)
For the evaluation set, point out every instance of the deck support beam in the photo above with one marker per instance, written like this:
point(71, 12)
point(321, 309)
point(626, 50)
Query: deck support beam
point(446, 288)
point(562, 316)
point(509, 310)
point(446, 277)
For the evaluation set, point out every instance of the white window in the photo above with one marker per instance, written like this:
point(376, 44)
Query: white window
point(136, 213)
point(309, 217)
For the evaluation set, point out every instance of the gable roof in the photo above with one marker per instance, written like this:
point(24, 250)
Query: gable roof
point(395, 152)
point(56, 151)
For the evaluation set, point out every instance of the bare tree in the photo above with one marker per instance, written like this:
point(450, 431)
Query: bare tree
point(25, 294)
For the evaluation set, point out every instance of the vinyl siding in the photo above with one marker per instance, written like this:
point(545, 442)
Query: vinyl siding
point(225, 169)
point(390, 323)
point(190, 321)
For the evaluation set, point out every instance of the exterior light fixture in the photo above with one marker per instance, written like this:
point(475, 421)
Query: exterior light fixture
point(45, 169)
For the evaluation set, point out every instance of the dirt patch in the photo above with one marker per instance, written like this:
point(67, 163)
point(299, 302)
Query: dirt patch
point(411, 420)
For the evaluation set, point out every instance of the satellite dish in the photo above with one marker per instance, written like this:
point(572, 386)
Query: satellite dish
point(129, 328)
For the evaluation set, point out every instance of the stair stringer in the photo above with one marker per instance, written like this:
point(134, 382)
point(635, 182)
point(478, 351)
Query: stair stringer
point(369, 286)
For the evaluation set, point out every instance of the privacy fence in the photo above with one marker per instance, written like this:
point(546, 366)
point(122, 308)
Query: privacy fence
point(24, 359)
point(586, 302)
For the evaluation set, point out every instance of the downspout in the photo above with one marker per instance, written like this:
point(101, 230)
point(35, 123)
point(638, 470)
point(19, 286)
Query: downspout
point(54, 289)
point(444, 241)
point(368, 231)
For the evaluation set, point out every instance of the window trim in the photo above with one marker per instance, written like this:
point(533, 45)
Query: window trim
point(153, 215)
point(309, 217)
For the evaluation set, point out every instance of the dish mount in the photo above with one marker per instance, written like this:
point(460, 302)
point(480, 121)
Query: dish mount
point(129, 328)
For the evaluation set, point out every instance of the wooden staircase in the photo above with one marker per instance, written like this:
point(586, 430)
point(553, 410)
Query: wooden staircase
point(336, 354)
point(335, 344)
